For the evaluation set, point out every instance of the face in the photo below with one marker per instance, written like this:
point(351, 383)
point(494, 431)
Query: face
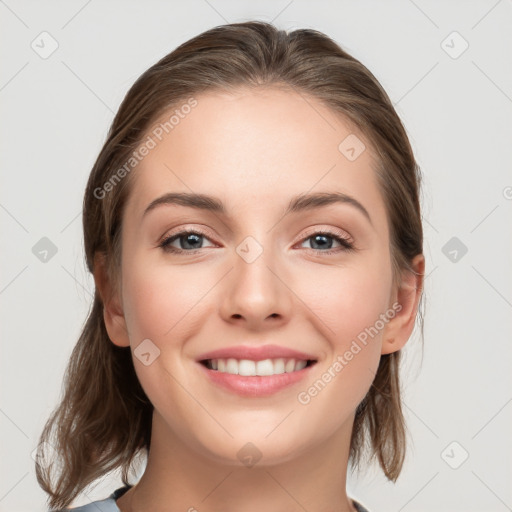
point(254, 274)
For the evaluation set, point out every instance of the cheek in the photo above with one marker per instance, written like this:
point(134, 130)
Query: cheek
point(351, 309)
point(350, 304)
point(158, 300)
point(347, 300)
point(163, 304)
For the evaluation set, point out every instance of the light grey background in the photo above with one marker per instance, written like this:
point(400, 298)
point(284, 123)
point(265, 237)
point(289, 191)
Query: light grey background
point(457, 110)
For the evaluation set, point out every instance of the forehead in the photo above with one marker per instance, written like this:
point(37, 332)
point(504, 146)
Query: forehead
point(256, 147)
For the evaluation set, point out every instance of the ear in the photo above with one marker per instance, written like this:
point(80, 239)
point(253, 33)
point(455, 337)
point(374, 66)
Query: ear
point(113, 314)
point(399, 328)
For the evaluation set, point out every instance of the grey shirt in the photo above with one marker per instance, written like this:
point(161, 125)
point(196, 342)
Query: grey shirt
point(109, 504)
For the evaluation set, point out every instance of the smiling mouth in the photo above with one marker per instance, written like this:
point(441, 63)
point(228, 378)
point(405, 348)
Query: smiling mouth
point(250, 368)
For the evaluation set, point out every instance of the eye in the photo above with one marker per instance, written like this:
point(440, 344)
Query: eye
point(323, 240)
point(189, 242)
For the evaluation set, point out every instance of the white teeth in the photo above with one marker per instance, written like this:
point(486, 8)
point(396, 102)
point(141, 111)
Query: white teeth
point(245, 367)
point(232, 366)
point(278, 366)
point(300, 365)
point(290, 366)
point(248, 368)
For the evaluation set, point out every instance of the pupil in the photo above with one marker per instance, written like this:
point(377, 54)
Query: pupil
point(322, 237)
point(195, 238)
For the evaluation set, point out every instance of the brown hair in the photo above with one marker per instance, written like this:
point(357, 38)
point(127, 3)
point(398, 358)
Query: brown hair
point(104, 418)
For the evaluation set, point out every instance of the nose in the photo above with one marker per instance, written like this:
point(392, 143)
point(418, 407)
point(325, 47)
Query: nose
point(255, 292)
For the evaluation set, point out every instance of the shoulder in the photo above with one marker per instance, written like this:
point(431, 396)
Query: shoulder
point(359, 507)
point(105, 505)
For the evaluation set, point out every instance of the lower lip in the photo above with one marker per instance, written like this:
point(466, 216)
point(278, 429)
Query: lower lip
point(256, 385)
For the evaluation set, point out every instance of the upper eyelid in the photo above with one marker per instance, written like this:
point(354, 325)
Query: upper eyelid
point(182, 231)
point(330, 231)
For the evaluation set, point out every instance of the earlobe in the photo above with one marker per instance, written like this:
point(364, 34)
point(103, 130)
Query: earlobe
point(113, 314)
point(399, 329)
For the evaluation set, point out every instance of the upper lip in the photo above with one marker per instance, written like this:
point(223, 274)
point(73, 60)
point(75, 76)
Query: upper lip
point(258, 353)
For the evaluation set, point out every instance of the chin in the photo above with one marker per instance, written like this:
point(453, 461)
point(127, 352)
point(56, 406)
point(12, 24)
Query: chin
point(251, 451)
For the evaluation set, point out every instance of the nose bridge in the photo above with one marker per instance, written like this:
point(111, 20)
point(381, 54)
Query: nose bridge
point(255, 291)
point(253, 258)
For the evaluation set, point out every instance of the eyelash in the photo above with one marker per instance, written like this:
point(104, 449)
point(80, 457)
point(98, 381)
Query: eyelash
point(346, 245)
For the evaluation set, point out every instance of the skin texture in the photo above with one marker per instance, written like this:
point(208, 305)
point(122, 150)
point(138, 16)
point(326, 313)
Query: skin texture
point(254, 150)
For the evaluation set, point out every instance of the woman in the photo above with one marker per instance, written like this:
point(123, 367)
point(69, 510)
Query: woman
point(253, 226)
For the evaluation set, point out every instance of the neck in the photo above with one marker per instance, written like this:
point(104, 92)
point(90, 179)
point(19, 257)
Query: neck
point(312, 480)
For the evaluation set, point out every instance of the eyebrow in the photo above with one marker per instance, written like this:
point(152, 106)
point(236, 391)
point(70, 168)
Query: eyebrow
point(299, 203)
